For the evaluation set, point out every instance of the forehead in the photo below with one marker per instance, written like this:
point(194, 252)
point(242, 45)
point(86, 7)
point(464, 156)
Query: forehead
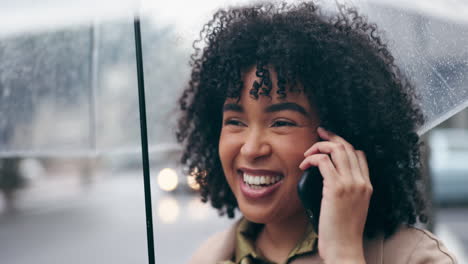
point(248, 92)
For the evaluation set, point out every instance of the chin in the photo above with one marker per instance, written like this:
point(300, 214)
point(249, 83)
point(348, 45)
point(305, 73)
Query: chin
point(256, 218)
point(269, 213)
point(258, 214)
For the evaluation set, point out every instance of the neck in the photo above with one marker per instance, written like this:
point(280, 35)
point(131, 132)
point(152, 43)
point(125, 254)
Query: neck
point(277, 239)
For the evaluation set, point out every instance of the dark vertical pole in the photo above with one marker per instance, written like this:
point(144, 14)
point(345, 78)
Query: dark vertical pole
point(144, 141)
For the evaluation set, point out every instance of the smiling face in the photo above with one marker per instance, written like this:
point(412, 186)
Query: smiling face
point(261, 145)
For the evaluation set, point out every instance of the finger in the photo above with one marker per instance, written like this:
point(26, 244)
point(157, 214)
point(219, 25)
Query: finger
point(322, 132)
point(321, 147)
point(364, 167)
point(338, 153)
point(326, 136)
point(324, 164)
point(354, 165)
point(332, 137)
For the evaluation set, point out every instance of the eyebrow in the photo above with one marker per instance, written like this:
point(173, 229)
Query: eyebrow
point(233, 107)
point(270, 109)
point(286, 106)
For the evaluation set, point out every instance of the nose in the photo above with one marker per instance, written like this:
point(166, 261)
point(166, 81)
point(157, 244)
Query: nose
point(255, 146)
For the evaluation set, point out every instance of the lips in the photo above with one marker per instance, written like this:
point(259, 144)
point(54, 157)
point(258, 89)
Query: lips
point(257, 184)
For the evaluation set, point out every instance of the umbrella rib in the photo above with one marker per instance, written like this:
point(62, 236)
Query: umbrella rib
point(437, 73)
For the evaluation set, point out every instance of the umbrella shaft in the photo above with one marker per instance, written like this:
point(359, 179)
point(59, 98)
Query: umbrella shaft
point(144, 141)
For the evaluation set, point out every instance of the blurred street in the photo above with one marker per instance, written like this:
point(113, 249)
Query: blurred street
point(105, 223)
point(452, 226)
point(102, 224)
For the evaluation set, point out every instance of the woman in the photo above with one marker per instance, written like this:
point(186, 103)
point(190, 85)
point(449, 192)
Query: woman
point(279, 89)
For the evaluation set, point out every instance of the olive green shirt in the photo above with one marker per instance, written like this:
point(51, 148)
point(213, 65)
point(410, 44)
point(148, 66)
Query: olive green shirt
point(246, 235)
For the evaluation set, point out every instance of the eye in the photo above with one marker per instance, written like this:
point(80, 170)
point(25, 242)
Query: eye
point(233, 122)
point(283, 123)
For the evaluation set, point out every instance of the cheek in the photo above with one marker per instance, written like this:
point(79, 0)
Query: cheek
point(227, 149)
point(295, 145)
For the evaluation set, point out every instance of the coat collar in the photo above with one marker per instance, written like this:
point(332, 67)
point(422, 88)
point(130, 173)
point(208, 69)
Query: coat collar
point(373, 249)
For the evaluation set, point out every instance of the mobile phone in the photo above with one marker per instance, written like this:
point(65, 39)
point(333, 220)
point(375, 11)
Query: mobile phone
point(310, 189)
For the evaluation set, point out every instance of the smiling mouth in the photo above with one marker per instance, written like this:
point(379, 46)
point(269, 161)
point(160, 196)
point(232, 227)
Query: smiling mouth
point(260, 181)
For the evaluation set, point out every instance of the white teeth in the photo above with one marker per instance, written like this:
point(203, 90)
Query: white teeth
point(256, 181)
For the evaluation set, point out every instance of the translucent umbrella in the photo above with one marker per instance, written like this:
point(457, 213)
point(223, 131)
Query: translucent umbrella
point(72, 71)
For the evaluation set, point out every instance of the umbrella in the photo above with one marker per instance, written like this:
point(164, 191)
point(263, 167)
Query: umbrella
point(426, 38)
point(94, 90)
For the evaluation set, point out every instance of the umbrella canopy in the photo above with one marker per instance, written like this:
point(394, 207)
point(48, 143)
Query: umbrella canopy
point(68, 75)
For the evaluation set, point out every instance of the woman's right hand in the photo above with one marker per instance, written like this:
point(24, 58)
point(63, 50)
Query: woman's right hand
point(345, 197)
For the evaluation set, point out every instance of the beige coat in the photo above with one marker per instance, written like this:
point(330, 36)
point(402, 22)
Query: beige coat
point(408, 245)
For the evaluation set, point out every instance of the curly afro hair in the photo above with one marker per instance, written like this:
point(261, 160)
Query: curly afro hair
point(345, 70)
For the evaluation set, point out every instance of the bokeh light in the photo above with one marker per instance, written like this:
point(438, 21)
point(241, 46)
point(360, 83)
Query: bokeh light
point(192, 183)
point(168, 179)
point(168, 210)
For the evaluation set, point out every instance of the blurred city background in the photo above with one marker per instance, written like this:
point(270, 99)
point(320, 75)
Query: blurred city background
point(71, 180)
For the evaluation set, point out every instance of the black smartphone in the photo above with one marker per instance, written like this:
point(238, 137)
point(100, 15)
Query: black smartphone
point(310, 189)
